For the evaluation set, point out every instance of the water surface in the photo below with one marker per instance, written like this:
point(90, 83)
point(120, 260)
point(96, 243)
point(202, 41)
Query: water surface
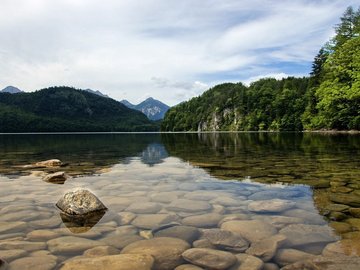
point(145, 180)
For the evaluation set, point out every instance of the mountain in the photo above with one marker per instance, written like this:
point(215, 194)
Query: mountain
point(11, 89)
point(128, 104)
point(96, 92)
point(65, 109)
point(152, 108)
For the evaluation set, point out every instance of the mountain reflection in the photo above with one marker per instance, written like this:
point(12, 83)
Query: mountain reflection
point(84, 154)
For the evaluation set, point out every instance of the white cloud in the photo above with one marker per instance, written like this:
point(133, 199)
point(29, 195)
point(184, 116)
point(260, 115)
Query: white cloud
point(171, 50)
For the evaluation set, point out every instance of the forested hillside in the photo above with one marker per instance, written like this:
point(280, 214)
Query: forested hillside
point(60, 109)
point(328, 99)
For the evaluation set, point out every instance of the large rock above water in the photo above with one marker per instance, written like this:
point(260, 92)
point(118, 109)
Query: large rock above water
point(48, 163)
point(114, 262)
point(251, 230)
point(165, 250)
point(56, 178)
point(80, 202)
point(209, 258)
point(270, 206)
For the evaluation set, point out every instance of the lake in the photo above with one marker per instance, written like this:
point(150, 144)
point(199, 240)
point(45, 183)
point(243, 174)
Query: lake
point(250, 200)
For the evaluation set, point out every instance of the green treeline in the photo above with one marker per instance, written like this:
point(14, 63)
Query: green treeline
point(328, 99)
point(65, 109)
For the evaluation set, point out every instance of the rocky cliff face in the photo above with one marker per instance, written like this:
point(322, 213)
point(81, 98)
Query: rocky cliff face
point(227, 119)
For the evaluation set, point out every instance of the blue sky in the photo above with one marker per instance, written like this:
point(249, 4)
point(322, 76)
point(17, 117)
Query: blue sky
point(170, 50)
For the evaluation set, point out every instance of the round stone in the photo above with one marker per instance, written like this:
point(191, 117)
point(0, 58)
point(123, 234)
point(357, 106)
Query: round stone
point(71, 244)
point(251, 230)
point(186, 233)
point(165, 250)
point(185, 205)
point(209, 258)
point(270, 206)
point(114, 262)
point(203, 221)
point(144, 208)
point(30, 263)
point(226, 240)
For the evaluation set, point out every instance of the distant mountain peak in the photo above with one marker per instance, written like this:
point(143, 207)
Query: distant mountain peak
point(96, 92)
point(152, 108)
point(11, 89)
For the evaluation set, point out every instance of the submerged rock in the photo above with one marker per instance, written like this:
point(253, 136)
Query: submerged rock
point(80, 202)
point(165, 250)
point(270, 206)
point(56, 178)
point(226, 240)
point(118, 262)
point(3, 264)
point(209, 258)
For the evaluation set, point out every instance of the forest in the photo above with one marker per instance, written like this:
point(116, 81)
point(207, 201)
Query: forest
point(329, 98)
point(65, 109)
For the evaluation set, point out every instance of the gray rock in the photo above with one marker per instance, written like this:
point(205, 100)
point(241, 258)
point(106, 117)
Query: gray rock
point(71, 244)
point(203, 221)
point(203, 243)
point(165, 250)
point(80, 202)
point(265, 249)
point(114, 262)
point(101, 251)
point(12, 254)
point(270, 206)
point(226, 240)
point(144, 208)
point(30, 263)
point(326, 263)
point(247, 262)
point(186, 233)
point(56, 178)
point(288, 256)
point(3, 264)
point(149, 222)
point(251, 230)
point(185, 205)
point(121, 241)
point(304, 234)
point(24, 245)
point(275, 193)
point(11, 227)
point(188, 267)
point(270, 266)
point(347, 199)
point(209, 258)
point(48, 163)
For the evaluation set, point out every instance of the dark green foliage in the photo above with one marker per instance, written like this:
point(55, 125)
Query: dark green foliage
point(65, 109)
point(267, 104)
point(328, 99)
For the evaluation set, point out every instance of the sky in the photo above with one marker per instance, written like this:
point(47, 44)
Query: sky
point(169, 50)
